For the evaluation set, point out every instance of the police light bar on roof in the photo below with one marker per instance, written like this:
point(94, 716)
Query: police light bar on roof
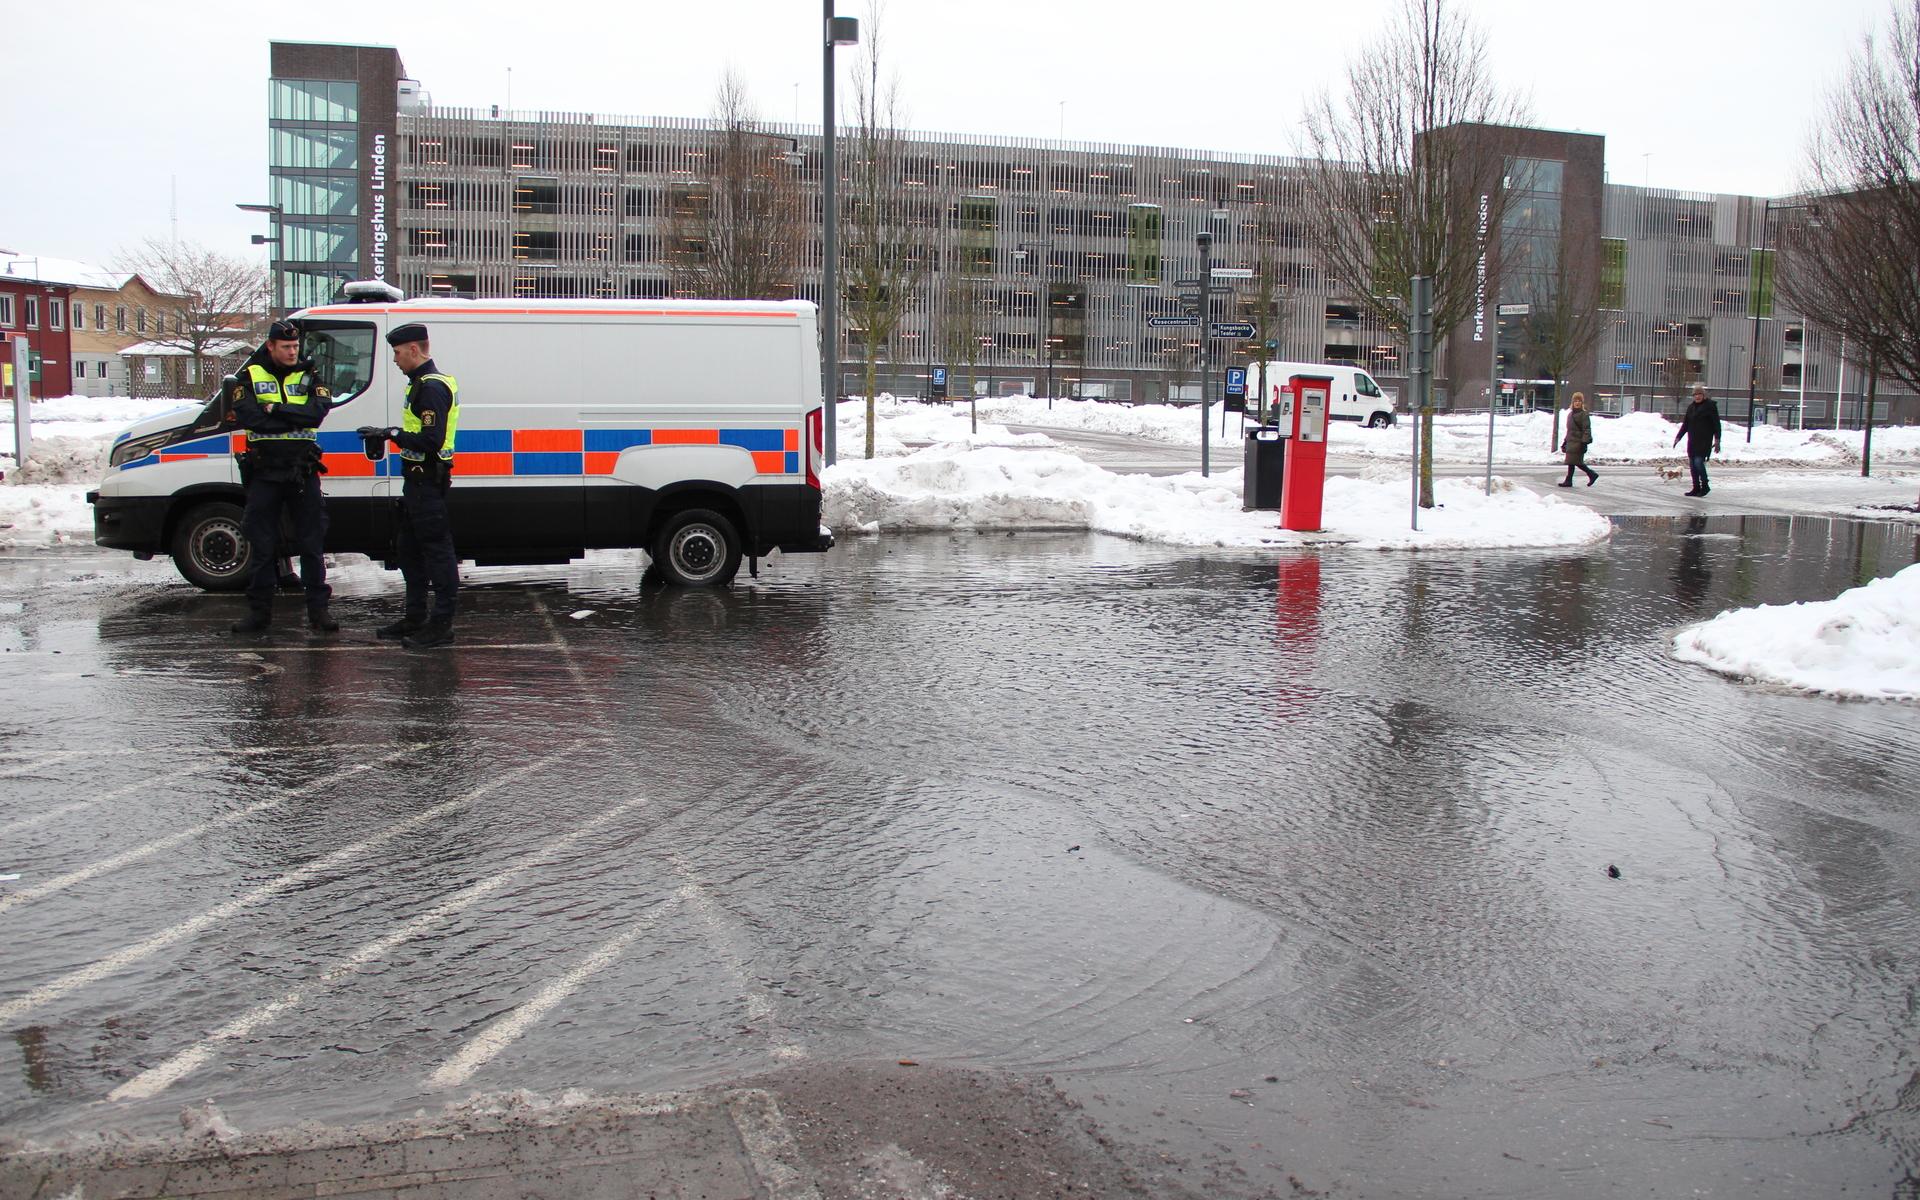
point(372, 291)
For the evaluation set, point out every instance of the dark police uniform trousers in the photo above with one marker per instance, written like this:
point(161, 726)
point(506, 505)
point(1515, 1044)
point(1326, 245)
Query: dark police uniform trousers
point(427, 559)
point(285, 481)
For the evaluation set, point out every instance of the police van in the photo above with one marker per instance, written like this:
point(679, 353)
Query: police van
point(1355, 395)
point(691, 429)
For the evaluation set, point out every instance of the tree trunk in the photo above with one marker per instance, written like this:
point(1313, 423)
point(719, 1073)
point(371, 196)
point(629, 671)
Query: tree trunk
point(871, 404)
point(1426, 457)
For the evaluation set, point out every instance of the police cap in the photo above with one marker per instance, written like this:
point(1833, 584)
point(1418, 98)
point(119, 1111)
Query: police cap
point(414, 332)
point(283, 331)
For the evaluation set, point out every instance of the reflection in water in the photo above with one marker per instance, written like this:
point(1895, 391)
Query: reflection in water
point(1691, 574)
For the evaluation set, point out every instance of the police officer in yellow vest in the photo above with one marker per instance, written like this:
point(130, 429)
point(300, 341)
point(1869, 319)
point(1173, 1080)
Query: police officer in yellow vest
point(425, 438)
point(276, 398)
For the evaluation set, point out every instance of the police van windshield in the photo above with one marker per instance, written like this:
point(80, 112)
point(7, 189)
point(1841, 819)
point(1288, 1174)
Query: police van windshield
point(342, 355)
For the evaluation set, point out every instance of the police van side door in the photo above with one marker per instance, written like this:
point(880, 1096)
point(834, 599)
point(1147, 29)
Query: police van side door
point(347, 359)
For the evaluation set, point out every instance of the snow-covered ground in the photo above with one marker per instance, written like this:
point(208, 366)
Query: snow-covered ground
point(1864, 644)
point(44, 503)
point(1523, 438)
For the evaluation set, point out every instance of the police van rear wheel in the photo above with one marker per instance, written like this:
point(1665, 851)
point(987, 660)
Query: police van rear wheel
point(210, 550)
point(697, 548)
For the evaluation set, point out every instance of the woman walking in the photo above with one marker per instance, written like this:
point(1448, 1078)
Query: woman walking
point(1579, 437)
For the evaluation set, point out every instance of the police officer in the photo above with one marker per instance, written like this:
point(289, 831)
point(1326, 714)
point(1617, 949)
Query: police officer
point(278, 401)
point(425, 438)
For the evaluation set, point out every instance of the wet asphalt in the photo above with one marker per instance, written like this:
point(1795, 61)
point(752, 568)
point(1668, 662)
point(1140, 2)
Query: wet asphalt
point(1292, 870)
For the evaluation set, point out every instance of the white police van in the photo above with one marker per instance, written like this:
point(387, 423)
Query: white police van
point(1355, 396)
point(689, 428)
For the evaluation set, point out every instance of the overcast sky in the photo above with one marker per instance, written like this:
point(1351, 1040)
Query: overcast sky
point(118, 116)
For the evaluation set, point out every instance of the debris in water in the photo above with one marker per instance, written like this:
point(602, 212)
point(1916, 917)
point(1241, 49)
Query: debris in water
point(582, 615)
point(1613, 872)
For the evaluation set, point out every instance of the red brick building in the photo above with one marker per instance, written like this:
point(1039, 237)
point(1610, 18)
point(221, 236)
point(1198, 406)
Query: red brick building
point(38, 311)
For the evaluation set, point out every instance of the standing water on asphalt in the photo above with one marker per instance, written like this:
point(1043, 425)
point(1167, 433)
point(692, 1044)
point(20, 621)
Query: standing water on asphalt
point(1306, 853)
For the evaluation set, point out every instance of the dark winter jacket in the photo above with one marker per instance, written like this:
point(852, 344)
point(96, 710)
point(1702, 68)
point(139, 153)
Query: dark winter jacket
point(430, 401)
point(246, 411)
point(1579, 436)
point(1700, 425)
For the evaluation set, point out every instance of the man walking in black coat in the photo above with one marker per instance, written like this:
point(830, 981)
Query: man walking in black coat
point(1701, 427)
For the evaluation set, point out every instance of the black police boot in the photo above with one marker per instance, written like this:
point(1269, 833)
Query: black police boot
point(258, 621)
point(321, 621)
point(401, 628)
point(433, 633)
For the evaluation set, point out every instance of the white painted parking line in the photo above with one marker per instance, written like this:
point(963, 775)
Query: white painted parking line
point(156, 1080)
point(723, 932)
point(128, 857)
point(502, 1033)
point(47, 993)
point(53, 814)
point(47, 759)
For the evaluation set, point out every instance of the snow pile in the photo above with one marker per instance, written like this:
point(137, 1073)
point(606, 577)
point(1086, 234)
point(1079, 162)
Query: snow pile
point(84, 417)
point(1863, 645)
point(952, 487)
point(43, 515)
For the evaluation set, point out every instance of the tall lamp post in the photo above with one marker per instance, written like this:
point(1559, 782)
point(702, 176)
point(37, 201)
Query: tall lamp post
point(1763, 285)
point(839, 31)
point(277, 305)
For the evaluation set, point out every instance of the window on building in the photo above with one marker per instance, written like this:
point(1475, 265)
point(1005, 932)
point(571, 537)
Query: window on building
point(56, 314)
point(6, 310)
point(321, 242)
point(314, 149)
point(79, 315)
point(120, 318)
point(33, 312)
point(100, 317)
point(1613, 272)
point(1143, 243)
point(334, 100)
point(536, 194)
point(100, 369)
point(79, 369)
point(140, 320)
point(317, 195)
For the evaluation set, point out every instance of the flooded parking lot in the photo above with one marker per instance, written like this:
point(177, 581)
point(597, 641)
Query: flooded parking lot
point(1292, 870)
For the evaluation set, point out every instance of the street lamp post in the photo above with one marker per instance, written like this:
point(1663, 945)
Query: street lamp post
point(839, 31)
point(278, 241)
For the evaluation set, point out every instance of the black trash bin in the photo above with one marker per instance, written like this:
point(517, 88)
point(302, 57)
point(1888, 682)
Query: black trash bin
point(1266, 463)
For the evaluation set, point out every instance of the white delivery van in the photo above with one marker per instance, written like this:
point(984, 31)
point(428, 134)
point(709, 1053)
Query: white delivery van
point(689, 428)
point(1356, 397)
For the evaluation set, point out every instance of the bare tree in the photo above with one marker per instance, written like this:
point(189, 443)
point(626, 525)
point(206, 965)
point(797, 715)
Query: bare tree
point(206, 298)
point(962, 324)
point(736, 234)
point(1271, 289)
point(1557, 339)
point(1404, 174)
point(887, 227)
point(1850, 258)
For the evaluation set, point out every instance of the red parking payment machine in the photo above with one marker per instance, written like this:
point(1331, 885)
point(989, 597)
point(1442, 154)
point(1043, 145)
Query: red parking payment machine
point(1305, 479)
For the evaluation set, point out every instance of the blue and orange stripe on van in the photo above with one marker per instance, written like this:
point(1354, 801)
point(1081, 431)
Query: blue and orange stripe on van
point(521, 453)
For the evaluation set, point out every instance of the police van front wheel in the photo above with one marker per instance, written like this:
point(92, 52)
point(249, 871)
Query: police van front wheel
point(210, 550)
point(697, 548)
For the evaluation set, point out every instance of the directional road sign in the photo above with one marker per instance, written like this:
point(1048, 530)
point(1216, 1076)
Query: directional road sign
point(1233, 272)
point(1189, 322)
point(1515, 310)
point(1230, 329)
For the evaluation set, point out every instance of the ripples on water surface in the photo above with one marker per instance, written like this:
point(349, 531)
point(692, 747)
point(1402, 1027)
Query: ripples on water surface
point(1166, 825)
